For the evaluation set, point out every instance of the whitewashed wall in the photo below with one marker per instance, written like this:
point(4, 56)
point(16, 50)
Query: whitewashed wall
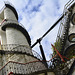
point(8, 14)
point(14, 36)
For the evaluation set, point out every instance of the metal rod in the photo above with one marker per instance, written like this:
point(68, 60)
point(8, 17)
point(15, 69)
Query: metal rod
point(48, 31)
point(43, 54)
point(53, 26)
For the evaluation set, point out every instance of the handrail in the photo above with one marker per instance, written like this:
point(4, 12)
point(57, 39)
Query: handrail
point(62, 33)
point(69, 4)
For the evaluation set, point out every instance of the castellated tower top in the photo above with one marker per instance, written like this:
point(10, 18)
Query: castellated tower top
point(8, 20)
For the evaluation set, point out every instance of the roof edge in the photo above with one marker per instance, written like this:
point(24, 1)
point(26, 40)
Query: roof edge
point(13, 9)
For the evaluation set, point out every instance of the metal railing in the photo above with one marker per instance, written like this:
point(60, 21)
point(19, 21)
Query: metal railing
point(62, 32)
point(69, 4)
point(64, 24)
point(35, 66)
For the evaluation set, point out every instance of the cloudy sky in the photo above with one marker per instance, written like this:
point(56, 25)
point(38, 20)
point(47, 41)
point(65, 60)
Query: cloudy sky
point(37, 16)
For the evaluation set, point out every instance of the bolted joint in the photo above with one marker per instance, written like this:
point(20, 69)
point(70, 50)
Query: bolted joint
point(39, 40)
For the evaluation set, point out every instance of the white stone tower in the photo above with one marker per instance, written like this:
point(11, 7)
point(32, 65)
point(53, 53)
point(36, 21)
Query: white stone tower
point(15, 51)
point(16, 54)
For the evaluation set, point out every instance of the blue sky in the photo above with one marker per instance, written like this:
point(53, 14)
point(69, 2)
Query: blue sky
point(37, 16)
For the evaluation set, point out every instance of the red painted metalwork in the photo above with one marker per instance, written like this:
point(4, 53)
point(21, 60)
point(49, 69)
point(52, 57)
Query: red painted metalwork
point(28, 62)
point(65, 57)
point(3, 20)
point(58, 53)
point(10, 73)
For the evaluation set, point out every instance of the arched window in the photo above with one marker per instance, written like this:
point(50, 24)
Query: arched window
point(70, 51)
point(71, 37)
point(73, 19)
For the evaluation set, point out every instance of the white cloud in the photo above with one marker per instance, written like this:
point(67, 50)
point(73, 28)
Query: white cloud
point(1, 4)
point(37, 16)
